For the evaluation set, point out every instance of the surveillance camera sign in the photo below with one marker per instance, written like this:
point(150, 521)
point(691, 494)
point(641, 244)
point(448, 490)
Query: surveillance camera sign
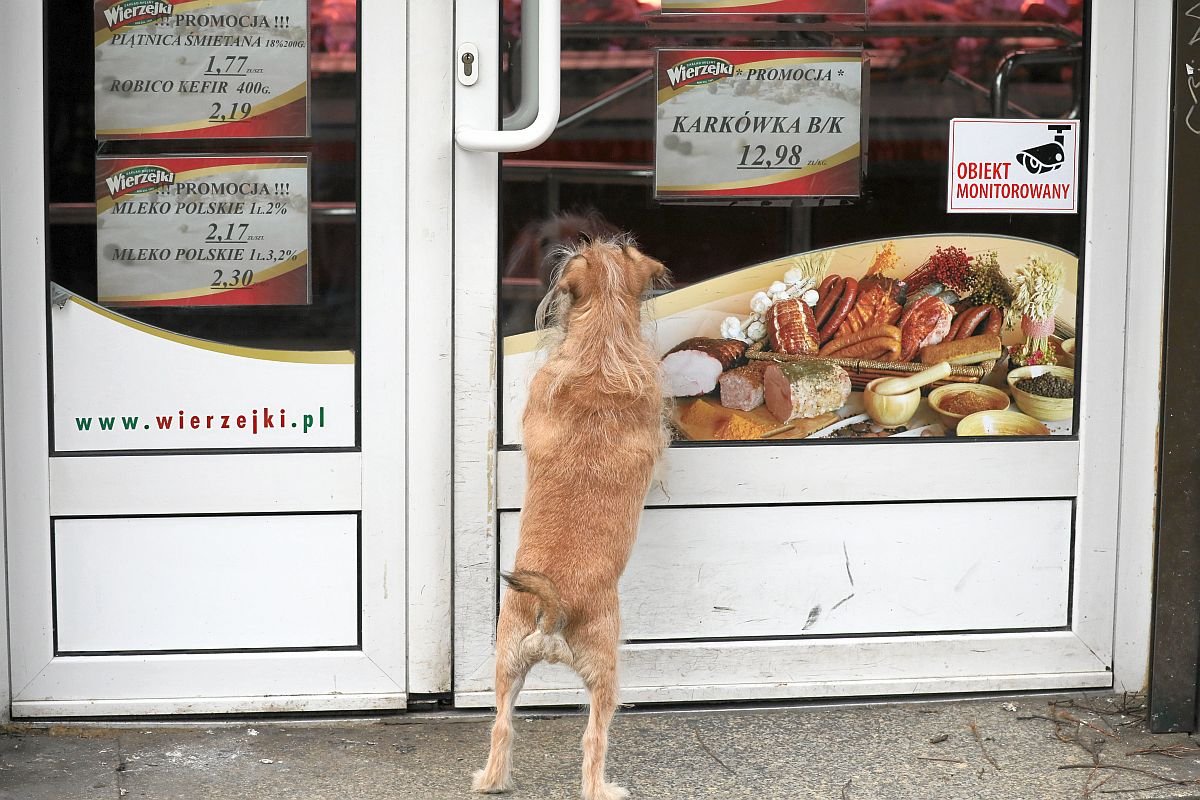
point(1010, 166)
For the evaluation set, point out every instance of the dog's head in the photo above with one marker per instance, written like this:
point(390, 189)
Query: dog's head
point(596, 299)
point(610, 267)
point(608, 275)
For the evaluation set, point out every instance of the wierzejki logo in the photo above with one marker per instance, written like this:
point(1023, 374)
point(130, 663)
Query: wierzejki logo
point(135, 180)
point(128, 13)
point(695, 71)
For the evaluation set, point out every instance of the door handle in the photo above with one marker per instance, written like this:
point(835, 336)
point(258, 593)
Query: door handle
point(539, 130)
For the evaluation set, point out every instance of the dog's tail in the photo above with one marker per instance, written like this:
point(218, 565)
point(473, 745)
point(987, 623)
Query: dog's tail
point(551, 617)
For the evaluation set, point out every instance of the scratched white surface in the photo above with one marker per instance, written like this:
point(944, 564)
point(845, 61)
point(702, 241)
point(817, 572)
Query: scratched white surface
point(787, 571)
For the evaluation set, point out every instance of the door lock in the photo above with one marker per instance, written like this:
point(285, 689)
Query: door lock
point(468, 64)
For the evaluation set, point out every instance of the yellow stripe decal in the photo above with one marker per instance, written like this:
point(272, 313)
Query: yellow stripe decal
point(289, 356)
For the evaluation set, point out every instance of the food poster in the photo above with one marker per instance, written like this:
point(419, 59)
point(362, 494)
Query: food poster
point(786, 350)
point(759, 124)
point(201, 69)
point(765, 6)
point(202, 230)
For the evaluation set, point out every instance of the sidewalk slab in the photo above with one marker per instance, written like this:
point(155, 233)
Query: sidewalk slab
point(1024, 748)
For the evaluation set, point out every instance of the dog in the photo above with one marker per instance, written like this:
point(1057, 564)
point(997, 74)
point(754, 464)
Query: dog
point(593, 432)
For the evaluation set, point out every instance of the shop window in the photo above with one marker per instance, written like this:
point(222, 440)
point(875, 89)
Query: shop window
point(929, 63)
point(290, 287)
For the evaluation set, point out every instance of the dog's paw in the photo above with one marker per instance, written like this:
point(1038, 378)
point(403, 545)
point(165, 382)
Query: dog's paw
point(483, 783)
point(607, 791)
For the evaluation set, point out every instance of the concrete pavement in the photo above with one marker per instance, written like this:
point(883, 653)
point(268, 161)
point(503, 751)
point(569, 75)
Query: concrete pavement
point(1024, 748)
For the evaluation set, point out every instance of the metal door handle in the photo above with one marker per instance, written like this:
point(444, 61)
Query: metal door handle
point(538, 131)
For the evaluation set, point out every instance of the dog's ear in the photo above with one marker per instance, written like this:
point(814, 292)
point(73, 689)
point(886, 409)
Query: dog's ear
point(651, 271)
point(571, 279)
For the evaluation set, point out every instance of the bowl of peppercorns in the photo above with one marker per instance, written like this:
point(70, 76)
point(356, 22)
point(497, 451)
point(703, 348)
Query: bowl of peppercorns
point(1044, 391)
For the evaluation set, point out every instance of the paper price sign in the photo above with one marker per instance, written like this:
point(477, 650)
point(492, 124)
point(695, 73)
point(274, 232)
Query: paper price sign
point(180, 69)
point(759, 124)
point(766, 6)
point(202, 230)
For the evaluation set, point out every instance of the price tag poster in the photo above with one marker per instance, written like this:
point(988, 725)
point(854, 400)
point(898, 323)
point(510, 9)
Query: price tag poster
point(759, 124)
point(202, 231)
point(201, 69)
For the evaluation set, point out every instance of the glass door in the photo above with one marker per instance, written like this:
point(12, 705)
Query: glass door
point(203, 351)
point(804, 539)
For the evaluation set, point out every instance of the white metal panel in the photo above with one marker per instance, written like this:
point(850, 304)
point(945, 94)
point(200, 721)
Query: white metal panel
point(430, 145)
point(476, 223)
point(806, 570)
point(848, 667)
point(383, 77)
point(23, 289)
point(1101, 343)
point(199, 683)
point(824, 473)
point(173, 706)
point(206, 583)
point(120, 485)
point(5, 686)
point(1143, 347)
point(719, 693)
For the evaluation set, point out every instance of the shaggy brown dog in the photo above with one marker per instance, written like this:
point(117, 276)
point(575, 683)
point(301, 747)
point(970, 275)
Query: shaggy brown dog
point(593, 431)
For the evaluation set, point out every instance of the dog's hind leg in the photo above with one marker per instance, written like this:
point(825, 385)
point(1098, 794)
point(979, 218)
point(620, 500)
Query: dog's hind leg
point(597, 665)
point(511, 669)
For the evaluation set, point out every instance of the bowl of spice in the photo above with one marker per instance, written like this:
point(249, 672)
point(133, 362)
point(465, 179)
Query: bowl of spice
point(1001, 423)
point(1044, 391)
point(953, 401)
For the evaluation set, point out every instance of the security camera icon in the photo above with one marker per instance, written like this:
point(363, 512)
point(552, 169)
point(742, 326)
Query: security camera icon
point(1046, 157)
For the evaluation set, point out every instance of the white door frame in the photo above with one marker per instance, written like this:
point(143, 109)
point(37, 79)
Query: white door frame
point(1144, 310)
point(1111, 606)
point(370, 481)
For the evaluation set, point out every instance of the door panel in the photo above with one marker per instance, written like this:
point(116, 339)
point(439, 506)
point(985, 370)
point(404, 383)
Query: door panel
point(600, 159)
point(338, 593)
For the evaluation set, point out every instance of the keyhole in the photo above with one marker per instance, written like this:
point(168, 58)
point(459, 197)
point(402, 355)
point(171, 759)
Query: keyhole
point(468, 60)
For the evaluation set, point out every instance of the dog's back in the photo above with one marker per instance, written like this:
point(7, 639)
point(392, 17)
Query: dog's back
point(593, 427)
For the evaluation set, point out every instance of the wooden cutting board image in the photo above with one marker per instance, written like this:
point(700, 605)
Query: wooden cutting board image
point(704, 419)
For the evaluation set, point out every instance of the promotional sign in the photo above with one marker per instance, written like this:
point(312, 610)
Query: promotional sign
point(120, 384)
point(202, 230)
point(759, 124)
point(766, 6)
point(187, 69)
point(1004, 166)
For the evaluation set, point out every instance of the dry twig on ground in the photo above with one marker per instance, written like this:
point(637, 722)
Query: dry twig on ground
point(1176, 750)
point(979, 740)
